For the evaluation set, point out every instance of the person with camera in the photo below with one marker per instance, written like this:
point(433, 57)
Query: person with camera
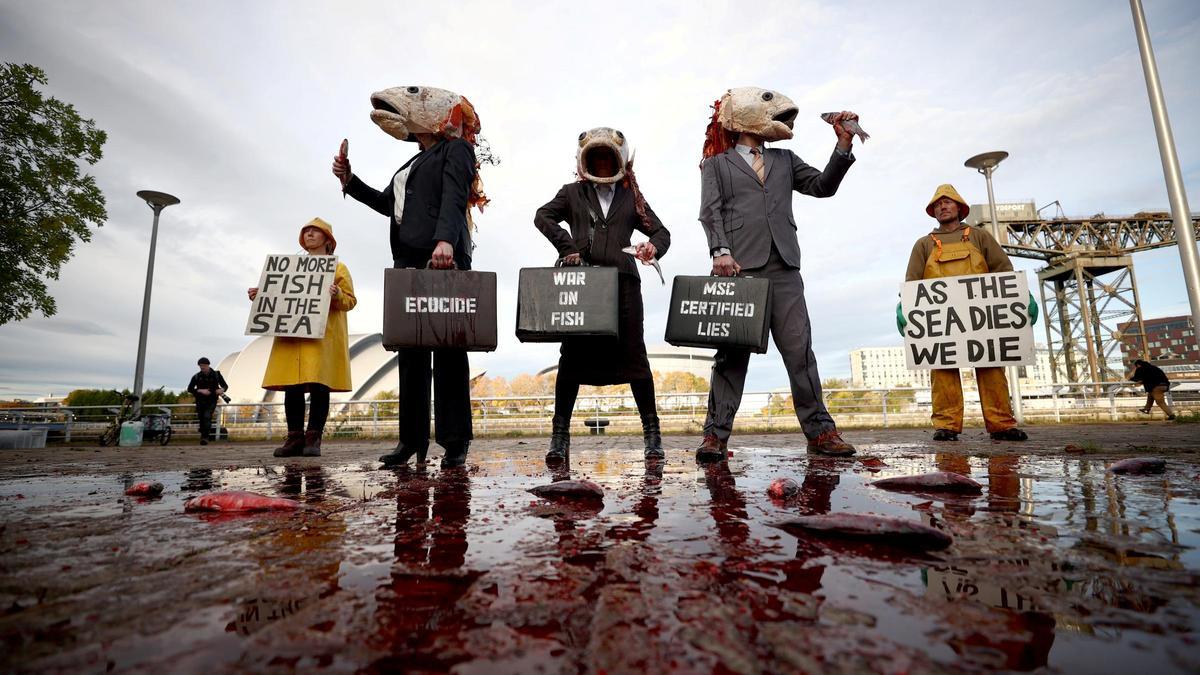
point(205, 387)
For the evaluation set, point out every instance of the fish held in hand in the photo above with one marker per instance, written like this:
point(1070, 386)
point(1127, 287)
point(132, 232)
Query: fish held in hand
point(1139, 465)
point(569, 489)
point(238, 501)
point(783, 488)
point(849, 125)
point(632, 250)
point(938, 481)
point(880, 529)
point(145, 489)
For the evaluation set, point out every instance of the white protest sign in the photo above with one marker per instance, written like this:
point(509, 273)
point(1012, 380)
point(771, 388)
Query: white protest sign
point(970, 321)
point(293, 296)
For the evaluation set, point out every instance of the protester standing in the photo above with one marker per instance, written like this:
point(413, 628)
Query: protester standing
point(317, 367)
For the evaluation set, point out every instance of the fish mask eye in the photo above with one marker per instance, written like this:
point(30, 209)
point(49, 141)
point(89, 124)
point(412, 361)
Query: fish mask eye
point(767, 96)
point(582, 135)
point(620, 137)
point(414, 90)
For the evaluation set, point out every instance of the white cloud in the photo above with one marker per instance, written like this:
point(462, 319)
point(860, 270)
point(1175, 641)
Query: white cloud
point(238, 108)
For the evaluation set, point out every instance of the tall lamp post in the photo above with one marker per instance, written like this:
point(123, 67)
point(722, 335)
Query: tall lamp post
point(1185, 236)
point(156, 201)
point(985, 163)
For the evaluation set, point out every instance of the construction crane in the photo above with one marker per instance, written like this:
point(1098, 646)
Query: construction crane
point(1088, 289)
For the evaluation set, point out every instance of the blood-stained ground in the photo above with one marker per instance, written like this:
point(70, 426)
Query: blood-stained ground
point(1059, 563)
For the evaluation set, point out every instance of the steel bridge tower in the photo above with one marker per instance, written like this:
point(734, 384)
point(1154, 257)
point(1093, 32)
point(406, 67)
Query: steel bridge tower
point(1089, 293)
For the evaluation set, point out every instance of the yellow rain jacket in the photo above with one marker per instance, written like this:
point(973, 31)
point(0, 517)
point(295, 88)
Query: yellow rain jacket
point(327, 360)
point(954, 254)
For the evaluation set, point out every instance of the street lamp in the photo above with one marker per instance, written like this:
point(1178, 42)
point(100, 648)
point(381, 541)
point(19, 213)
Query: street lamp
point(156, 201)
point(985, 163)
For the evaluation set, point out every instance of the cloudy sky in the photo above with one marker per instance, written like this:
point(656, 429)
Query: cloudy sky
point(237, 108)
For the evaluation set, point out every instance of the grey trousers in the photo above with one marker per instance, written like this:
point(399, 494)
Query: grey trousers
point(793, 338)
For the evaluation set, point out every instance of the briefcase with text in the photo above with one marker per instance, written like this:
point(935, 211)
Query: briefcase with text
point(554, 303)
point(439, 309)
point(720, 312)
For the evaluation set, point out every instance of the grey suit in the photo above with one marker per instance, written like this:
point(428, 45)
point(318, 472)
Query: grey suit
point(754, 220)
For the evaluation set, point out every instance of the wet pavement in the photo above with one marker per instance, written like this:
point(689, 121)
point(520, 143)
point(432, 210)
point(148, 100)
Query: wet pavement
point(1058, 565)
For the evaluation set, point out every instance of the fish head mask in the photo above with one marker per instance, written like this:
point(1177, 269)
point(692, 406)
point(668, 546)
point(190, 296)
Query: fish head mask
point(600, 146)
point(767, 114)
point(403, 112)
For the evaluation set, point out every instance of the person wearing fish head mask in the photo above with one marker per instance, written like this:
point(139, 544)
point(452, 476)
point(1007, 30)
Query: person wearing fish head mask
point(746, 212)
point(427, 202)
point(602, 209)
point(953, 249)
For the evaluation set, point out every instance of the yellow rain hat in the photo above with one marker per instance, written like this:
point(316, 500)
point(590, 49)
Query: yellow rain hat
point(947, 190)
point(324, 227)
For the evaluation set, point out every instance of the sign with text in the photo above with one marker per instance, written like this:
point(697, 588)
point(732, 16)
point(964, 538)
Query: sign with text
point(969, 321)
point(554, 303)
point(720, 312)
point(293, 296)
point(439, 309)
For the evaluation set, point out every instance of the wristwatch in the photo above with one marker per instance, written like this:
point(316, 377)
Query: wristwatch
point(718, 252)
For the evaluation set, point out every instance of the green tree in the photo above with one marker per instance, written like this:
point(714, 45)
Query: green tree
point(46, 202)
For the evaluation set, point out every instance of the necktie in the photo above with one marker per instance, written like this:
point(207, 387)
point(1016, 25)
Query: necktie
point(759, 167)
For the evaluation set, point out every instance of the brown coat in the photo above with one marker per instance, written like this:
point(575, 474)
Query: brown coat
point(995, 256)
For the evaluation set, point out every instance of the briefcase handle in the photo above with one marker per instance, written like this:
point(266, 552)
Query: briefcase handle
point(429, 265)
point(560, 263)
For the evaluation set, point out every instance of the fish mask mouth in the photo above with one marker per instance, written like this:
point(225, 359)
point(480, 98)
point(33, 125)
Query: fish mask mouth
point(386, 117)
point(787, 117)
point(597, 145)
point(762, 112)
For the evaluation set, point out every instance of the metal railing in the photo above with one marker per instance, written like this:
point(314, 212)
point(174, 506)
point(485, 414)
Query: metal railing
point(678, 412)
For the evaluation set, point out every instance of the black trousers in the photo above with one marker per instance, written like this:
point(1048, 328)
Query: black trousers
point(447, 370)
point(205, 406)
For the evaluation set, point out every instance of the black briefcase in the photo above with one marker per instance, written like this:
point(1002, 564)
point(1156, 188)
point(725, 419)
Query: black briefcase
point(439, 309)
point(720, 312)
point(554, 303)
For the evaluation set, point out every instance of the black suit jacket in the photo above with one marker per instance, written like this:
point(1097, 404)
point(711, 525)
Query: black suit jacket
point(435, 203)
point(596, 237)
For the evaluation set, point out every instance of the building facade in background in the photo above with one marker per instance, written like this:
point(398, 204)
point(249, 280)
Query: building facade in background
point(1170, 341)
point(885, 368)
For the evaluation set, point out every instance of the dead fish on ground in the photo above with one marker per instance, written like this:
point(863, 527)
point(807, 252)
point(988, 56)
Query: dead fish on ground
point(145, 490)
point(783, 488)
point(1138, 465)
point(849, 125)
point(632, 250)
point(232, 501)
point(938, 481)
point(569, 489)
point(882, 529)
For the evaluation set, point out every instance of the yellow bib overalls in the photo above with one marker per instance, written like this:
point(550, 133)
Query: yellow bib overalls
point(949, 260)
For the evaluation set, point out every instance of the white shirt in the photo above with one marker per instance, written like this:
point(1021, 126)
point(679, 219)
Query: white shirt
point(605, 192)
point(398, 185)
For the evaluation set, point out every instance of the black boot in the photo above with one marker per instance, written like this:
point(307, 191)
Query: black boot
point(653, 437)
point(456, 454)
point(312, 443)
point(292, 446)
point(560, 440)
point(403, 453)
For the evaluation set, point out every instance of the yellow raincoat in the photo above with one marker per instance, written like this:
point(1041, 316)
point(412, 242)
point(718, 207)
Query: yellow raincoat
point(954, 258)
point(327, 360)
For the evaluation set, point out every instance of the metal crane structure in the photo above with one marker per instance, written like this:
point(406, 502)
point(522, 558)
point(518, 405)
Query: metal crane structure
point(1088, 289)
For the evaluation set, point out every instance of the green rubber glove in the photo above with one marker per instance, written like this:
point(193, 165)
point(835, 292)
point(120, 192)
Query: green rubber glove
point(1033, 310)
point(901, 322)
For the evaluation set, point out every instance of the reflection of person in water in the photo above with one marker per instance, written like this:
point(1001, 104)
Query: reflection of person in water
point(729, 512)
point(427, 578)
point(299, 566)
point(198, 479)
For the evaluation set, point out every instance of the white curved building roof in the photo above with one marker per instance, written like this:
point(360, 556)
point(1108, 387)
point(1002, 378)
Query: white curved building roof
point(373, 370)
